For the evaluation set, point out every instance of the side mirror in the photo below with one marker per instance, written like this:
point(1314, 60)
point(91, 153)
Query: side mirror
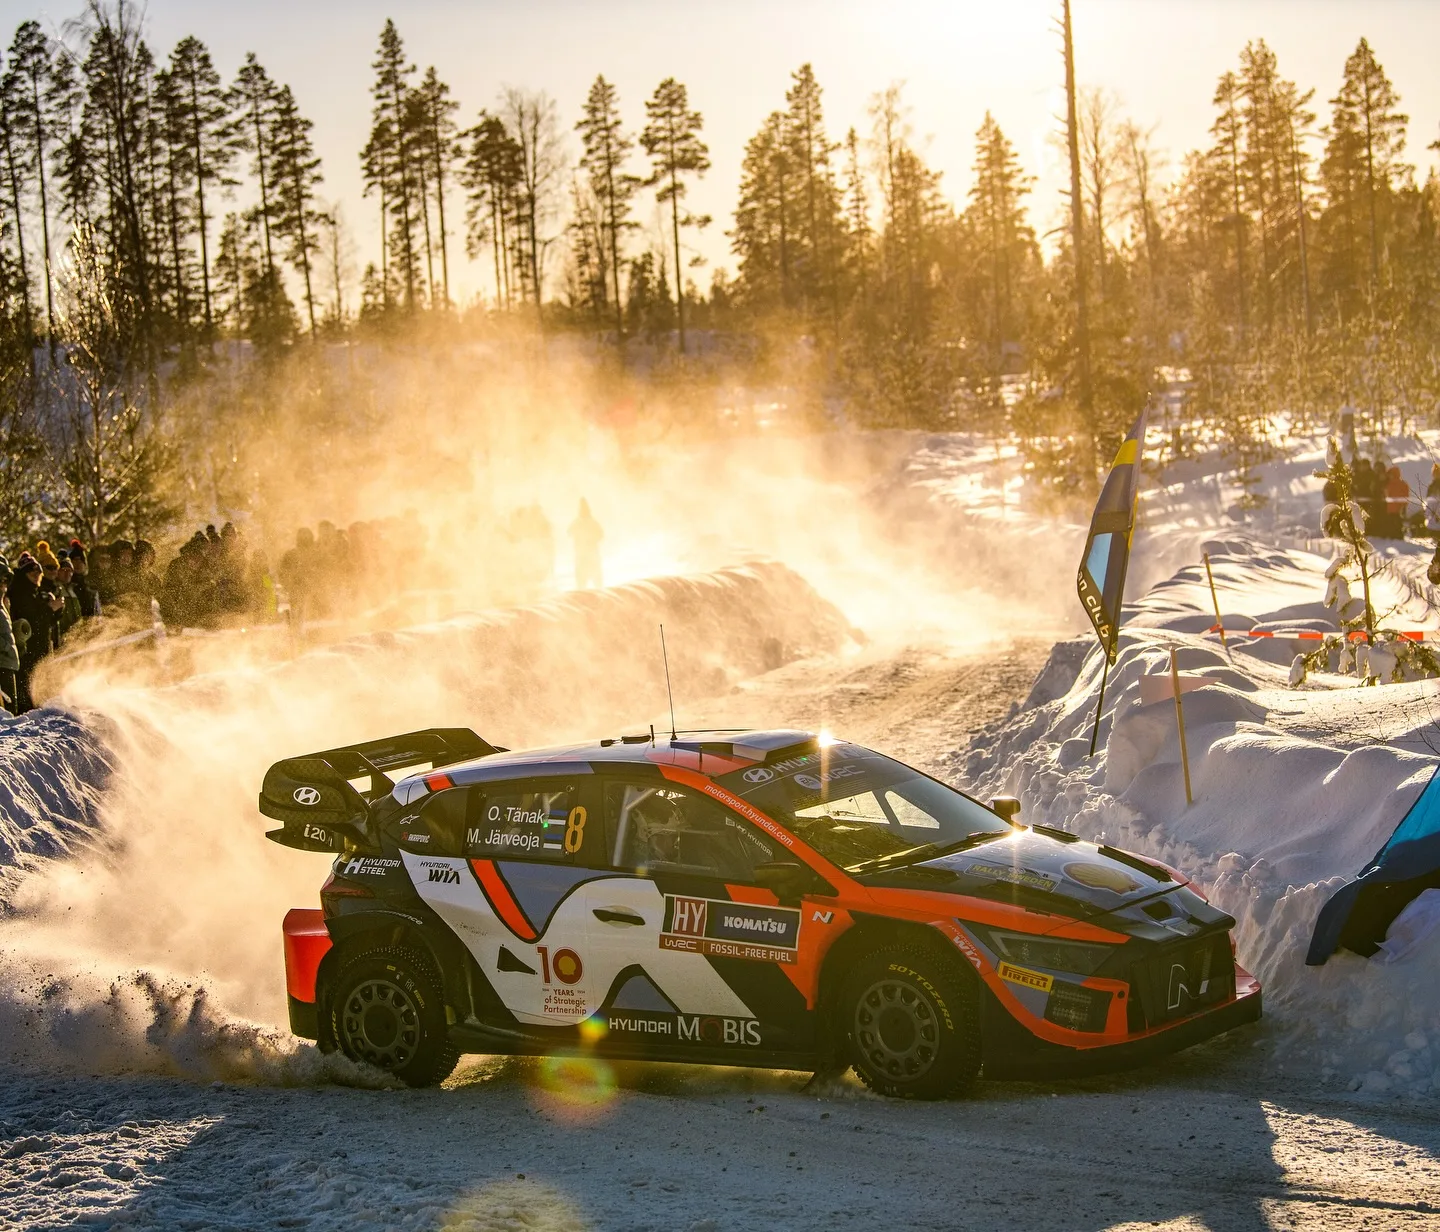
point(1007, 806)
point(788, 880)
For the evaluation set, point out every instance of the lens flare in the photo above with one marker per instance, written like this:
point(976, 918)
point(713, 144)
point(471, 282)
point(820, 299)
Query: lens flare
point(579, 1088)
point(521, 1202)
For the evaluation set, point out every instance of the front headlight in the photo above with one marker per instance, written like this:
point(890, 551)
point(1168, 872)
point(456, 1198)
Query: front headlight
point(1074, 956)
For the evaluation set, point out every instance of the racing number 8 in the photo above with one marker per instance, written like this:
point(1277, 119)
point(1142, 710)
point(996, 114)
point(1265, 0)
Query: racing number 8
point(575, 829)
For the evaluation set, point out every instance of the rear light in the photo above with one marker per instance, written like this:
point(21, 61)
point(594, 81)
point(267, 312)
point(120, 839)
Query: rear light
point(438, 782)
point(334, 890)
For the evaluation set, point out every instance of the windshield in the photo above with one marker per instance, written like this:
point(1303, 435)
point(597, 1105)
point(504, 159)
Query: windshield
point(862, 810)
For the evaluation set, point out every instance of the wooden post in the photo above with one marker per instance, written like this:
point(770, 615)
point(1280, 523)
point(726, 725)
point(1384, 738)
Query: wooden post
point(1100, 705)
point(1180, 726)
point(1215, 599)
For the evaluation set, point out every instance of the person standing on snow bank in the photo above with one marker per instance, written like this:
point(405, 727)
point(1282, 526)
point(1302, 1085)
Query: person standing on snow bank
point(88, 596)
point(1397, 498)
point(9, 651)
point(587, 534)
point(33, 611)
point(1432, 504)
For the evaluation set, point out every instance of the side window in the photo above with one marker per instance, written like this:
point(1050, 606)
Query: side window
point(445, 815)
point(533, 820)
point(661, 828)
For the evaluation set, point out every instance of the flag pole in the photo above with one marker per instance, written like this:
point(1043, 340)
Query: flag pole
point(1100, 705)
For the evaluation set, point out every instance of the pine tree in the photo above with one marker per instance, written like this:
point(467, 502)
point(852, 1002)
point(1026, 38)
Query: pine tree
point(388, 158)
point(415, 152)
point(375, 165)
point(492, 176)
point(765, 220)
point(1295, 119)
point(437, 111)
point(179, 171)
point(1228, 130)
point(999, 218)
point(1362, 155)
point(671, 138)
point(204, 116)
point(820, 207)
point(857, 210)
point(251, 101)
point(32, 61)
point(588, 274)
point(116, 74)
point(533, 122)
point(71, 164)
point(607, 145)
point(16, 170)
point(1261, 169)
point(297, 172)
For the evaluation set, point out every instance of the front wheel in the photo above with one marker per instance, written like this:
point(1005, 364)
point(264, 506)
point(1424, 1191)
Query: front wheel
point(910, 1023)
point(386, 1010)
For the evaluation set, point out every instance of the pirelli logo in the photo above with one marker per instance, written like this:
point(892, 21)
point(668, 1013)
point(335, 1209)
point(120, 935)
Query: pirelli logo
point(1026, 977)
point(722, 929)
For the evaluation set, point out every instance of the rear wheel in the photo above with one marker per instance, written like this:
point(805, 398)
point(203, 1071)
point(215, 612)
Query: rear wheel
point(385, 1009)
point(910, 1023)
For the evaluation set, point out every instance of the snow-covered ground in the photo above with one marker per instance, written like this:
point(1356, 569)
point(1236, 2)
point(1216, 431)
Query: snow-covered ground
point(146, 1083)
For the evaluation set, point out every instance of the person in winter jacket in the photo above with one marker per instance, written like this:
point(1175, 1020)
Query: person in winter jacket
point(587, 534)
point(9, 651)
point(85, 592)
point(69, 615)
point(1397, 498)
point(33, 613)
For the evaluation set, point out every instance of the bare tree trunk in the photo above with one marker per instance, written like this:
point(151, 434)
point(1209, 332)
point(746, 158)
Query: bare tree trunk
point(1300, 222)
point(200, 202)
point(1077, 230)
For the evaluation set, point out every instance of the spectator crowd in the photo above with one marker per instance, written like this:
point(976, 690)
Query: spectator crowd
point(216, 578)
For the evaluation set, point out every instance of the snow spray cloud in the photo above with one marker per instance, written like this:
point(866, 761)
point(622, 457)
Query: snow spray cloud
point(185, 896)
point(433, 451)
point(172, 922)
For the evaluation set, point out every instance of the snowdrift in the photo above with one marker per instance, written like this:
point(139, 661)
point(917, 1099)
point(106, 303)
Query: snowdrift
point(52, 777)
point(1294, 792)
point(145, 902)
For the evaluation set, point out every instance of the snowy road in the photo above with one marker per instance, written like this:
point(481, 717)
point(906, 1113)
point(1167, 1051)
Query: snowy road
point(1214, 1139)
point(1185, 1145)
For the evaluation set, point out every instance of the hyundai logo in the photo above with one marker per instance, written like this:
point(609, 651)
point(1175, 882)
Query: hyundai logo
point(307, 796)
point(759, 775)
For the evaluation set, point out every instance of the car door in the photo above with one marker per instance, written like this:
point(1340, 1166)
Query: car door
point(508, 875)
point(699, 950)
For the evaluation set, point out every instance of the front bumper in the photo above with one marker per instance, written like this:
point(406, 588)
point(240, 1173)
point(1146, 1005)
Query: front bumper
point(1012, 1052)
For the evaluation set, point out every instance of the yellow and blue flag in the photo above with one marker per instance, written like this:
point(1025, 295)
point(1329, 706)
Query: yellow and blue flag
point(1107, 550)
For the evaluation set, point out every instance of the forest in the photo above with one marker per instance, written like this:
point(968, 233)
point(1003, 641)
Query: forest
point(148, 326)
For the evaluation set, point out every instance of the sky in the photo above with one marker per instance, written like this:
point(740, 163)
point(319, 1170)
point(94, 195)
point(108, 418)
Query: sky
point(957, 58)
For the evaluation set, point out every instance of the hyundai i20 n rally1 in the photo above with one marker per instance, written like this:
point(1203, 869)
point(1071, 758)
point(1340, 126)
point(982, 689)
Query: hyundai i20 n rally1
point(769, 898)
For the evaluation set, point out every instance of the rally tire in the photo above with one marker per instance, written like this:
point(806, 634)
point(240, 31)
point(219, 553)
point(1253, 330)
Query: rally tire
point(385, 1009)
point(909, 1022)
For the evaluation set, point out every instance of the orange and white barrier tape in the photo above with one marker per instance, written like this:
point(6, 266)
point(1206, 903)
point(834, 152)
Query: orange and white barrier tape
point(1354, 635)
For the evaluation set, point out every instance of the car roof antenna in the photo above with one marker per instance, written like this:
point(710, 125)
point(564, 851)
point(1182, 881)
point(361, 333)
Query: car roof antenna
point(665, 656)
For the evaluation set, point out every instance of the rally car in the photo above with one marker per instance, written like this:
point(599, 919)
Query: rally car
point(759, 898)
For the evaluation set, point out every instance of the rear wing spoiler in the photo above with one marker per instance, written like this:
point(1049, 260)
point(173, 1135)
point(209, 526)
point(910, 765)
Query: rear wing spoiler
point(320, 798)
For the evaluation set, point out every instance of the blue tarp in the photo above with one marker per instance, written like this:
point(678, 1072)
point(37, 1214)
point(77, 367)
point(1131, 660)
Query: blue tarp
point(1359, 913)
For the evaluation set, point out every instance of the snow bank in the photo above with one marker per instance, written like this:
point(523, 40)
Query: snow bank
point(155, 944)
point(1294, 792)
point(52, 776)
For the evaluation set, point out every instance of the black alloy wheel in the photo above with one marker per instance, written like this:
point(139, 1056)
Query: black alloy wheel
point(910, 1020)
point(386, 1010)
